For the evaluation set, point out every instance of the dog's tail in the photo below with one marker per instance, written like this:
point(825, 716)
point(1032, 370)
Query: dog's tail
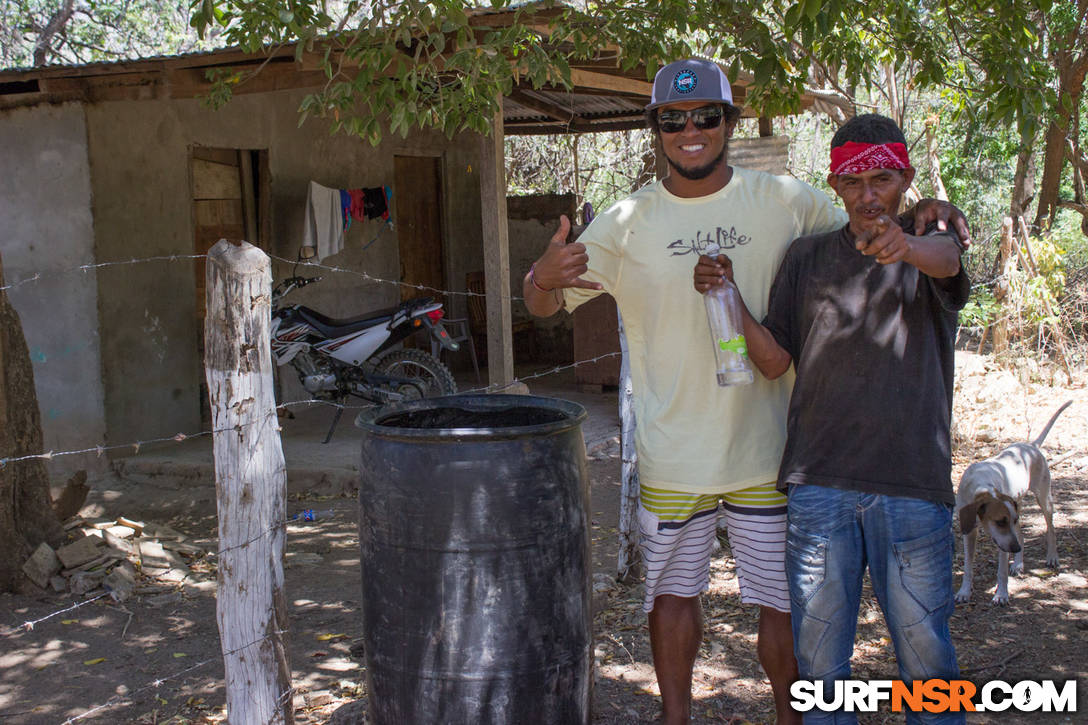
point(1050, 423)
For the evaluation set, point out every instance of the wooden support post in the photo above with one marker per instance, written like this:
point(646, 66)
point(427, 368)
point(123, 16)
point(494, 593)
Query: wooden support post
point(628, 528)
point(9, 570)
point(661, 164)
point(3, 378)
point(765, 127)
point(250, 483)
point(500, 355)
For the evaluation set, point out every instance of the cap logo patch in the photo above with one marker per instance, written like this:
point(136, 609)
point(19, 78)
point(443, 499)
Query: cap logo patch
point(685, 81)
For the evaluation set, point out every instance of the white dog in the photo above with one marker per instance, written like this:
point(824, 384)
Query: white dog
point(990, 492)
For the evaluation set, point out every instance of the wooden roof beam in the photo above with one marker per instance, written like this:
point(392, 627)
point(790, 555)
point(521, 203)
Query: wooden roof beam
point(584, 79)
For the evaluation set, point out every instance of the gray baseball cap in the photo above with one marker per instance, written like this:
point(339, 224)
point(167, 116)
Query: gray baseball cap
point(692, 79)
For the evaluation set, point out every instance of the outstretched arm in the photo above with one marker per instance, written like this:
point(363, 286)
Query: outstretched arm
point(562, 265)
point(936, 256)
point(763, 350)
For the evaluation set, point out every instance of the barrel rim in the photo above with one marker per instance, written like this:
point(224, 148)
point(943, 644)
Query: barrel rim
point(367, 420)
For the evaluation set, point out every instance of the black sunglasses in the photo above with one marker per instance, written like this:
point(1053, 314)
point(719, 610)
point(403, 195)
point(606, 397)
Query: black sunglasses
point(704, 117)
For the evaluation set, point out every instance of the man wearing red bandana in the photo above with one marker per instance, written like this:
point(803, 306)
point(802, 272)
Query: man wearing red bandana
point(867, 316)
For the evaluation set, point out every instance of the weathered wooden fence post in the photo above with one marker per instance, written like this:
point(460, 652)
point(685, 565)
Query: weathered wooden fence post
point(629, 534)
point(250, 483)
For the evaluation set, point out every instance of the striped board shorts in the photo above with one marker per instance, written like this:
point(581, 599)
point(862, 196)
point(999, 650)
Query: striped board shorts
point(678, 532)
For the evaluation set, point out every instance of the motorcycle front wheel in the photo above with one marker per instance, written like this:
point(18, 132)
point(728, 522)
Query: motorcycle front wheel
point(436, 378)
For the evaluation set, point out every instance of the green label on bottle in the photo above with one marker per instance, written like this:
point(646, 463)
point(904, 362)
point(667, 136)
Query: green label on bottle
point(737, 345)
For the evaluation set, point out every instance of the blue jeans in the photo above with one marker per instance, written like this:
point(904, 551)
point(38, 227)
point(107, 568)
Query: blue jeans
point(907, 544)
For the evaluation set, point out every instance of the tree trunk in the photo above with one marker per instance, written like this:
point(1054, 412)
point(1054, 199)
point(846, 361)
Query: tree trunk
point(250, 483)
point(894, 101)
point(1072, 69)
point(1053, 161)
point(26, 512)
point(934, 159)
point(1023, 183)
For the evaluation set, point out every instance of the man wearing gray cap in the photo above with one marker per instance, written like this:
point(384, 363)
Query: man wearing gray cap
point(702, 449)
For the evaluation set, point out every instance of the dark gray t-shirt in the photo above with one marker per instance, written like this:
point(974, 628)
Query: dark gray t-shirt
point(873, 346)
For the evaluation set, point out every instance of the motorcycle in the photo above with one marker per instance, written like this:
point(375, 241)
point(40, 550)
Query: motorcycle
point(339, 358)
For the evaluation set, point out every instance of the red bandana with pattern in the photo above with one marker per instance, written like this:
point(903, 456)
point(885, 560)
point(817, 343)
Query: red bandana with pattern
point(856, 158)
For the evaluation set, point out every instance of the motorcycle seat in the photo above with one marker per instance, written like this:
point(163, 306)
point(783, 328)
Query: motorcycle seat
point(338, 327)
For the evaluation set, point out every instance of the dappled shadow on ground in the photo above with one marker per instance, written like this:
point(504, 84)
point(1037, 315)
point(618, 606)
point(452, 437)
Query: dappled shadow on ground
point(156, 656)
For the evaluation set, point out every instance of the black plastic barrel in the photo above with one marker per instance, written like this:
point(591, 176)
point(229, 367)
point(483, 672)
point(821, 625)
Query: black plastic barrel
point(474, 548)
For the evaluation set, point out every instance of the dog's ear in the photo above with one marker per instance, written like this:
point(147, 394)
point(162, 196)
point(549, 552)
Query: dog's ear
point(968, 517)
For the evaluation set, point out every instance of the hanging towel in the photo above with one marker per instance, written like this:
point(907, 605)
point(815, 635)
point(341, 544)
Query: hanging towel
point(323, 227)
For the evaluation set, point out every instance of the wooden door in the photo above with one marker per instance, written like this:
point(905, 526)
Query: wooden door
point(230, 201)
point(417, 194)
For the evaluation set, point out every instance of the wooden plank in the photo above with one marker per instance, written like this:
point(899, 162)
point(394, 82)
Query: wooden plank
point(219, 156)
point(249, 200)
point(500, 356)
point(584, 79)
point(212, 180)
point(3, 371)
point(419, 224)
point(537, 127)
point(214, 219)
point(217, 213)
point(191, 82)
point(251, 486)
point(264, 200)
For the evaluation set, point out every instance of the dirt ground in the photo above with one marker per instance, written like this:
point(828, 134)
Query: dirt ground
point(155, 657)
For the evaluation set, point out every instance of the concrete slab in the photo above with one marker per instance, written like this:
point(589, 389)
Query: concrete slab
point(332, 469)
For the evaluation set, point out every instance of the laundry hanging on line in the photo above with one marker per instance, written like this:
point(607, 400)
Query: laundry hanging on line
point(329, 213)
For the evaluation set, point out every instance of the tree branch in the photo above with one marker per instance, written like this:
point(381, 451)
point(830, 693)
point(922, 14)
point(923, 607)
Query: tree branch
point(55, 25)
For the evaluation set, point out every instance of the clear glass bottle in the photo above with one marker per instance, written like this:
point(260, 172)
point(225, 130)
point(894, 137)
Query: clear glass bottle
point(727, 331)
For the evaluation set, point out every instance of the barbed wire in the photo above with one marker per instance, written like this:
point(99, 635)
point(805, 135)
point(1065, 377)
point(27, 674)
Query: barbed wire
point(30, 624)
point(99, 450)
point(371, 278)
point(159, 681)
point(978, 284)
point(38, 276)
